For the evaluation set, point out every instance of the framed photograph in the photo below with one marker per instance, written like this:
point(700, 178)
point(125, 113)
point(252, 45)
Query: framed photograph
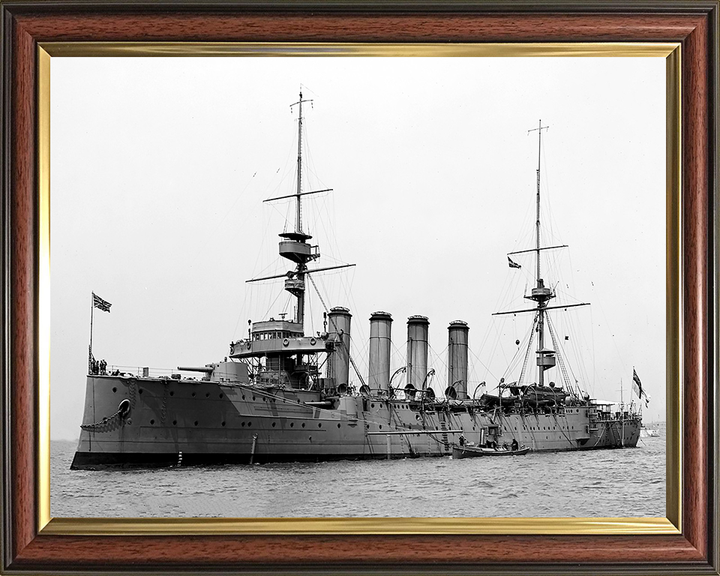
point(425, 168)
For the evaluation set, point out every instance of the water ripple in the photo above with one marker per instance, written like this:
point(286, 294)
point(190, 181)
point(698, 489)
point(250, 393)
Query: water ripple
point(620, 483)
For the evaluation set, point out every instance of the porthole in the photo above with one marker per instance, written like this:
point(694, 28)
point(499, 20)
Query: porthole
point(380, 426)
point(140, 390)
point(292, 424)
point(310, 438)
point(243, 396)
point(249, 424)
point(196, 422)
point(152, 421)
point(253, 398)
point(114, 389)
point(273, 424)
point(303, 424)
point(242, 424)
point(207, 394)
point(174, 422)
point(319, 424)
point(222, 423)
point(338, 425)
point(172, 393)
point(221, 395)
point(372, 405)
point(193, 394)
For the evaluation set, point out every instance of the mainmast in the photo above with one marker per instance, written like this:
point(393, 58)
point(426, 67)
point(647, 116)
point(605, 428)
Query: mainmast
point(541, 294)
point(540, 128)
point(546, 357)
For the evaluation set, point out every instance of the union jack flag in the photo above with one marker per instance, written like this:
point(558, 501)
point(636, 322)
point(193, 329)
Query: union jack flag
point(98, 302)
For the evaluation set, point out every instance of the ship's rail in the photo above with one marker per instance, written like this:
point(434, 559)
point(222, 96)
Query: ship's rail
point(145, 372)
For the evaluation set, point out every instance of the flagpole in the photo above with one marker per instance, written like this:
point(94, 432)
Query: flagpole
point(92, 310)
point(622, 416)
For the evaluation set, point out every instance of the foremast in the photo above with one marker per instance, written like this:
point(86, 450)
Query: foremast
point(278, 351)
point(295, 245)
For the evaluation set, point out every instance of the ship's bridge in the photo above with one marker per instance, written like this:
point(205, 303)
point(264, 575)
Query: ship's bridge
point(276, 337)
point(278, 346)
point(269, 329)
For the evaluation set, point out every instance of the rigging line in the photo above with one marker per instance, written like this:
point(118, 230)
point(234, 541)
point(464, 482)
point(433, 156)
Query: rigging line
point(526, 344)
point(528, 348)
point(269, 308)
point(578, 343)
point(505, 299)
point(486, 367)
point(562, 431)
point(571, 383)
point(510, 286)
point(565, 366)
point(394, 416)
point(348, 297)
point(352, 361)
point(217, 228)
point(437, 357)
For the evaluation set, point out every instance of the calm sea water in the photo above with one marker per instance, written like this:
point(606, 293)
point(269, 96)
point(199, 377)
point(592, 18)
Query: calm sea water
point(629, 482)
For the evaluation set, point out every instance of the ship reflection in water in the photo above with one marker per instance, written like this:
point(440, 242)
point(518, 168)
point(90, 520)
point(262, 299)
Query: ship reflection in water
point(603, 483)
point(283, 394)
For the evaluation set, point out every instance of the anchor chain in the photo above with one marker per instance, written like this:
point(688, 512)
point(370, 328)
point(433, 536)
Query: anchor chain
point(108, 424)
point(163, 408)
point(132, 390)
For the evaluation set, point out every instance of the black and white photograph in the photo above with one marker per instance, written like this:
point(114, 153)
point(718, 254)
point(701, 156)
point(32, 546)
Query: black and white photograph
point(358, 287)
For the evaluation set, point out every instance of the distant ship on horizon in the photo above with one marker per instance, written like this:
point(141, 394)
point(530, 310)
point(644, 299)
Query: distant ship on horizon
point(282, 394)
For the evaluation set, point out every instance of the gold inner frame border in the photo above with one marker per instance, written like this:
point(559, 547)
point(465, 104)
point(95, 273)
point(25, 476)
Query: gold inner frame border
point(671, 524)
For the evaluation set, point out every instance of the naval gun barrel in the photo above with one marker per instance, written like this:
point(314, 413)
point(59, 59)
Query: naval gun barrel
point(206, 369)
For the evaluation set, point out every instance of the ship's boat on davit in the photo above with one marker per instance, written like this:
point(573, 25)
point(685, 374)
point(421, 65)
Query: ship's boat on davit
point(283, 393)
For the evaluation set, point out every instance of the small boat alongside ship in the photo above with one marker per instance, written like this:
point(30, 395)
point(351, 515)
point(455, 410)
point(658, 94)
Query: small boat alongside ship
point(466, 451)
point(283, 393)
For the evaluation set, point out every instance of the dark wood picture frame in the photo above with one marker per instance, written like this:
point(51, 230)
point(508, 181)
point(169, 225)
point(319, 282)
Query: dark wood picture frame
point(27, 24)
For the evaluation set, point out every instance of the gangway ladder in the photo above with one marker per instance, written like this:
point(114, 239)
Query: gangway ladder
point(443, 427)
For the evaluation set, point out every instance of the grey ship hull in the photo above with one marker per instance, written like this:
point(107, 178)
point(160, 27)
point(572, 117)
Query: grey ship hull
point(185, 422)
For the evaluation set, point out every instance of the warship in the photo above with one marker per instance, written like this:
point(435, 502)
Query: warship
point(283, 394)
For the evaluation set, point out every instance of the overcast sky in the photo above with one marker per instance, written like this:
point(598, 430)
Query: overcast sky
point(160, 166)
